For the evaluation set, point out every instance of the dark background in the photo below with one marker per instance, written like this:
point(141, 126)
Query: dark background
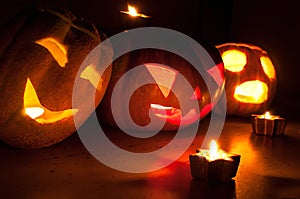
point(268, 24)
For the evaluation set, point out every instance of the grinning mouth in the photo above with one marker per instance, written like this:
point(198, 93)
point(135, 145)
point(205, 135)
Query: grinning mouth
point(36, 111)
point(174, 115)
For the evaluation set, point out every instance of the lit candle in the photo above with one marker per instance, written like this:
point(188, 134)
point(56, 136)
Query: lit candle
point(133, 12)
point(214, 153)
point(268, 124)
point(268, 116)
point(214, 164)
point(131, 18)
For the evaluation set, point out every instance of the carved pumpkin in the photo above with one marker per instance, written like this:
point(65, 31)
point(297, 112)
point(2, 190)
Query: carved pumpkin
point(250, 78)
point(40, 60)
point(165, 99)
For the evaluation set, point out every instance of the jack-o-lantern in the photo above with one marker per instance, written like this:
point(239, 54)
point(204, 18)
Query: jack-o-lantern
point(250, 78)
point(167, 98)
point(41, 57)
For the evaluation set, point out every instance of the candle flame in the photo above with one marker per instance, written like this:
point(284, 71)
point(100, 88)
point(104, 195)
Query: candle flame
point(213, 149)
point(214, 153)
point(132, 11)
point(267, 115)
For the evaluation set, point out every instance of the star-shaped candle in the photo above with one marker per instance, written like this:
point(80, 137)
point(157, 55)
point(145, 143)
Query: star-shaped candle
point(268, 124)
point(214, 164)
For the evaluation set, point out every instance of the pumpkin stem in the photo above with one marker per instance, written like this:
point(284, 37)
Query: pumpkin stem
point(75, 21)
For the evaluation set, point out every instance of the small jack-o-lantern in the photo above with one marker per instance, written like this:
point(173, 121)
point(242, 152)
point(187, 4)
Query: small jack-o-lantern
point(41, 55)
point(250, 78)
point(166, 98)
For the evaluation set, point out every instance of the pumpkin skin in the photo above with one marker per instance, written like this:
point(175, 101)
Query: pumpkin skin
point(40, 59)
point(247, 64)
point(151, 98)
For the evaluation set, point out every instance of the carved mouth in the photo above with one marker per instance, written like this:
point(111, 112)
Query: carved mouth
point(254, 91)
point(174, 115)
point(35, 110)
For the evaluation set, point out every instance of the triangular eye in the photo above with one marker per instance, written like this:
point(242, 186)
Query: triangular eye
point(197, 94)
point(268, 67)
point(163, 75)
point(57, 50)
point(216, 73)
point(90, 73)
point(234, 60)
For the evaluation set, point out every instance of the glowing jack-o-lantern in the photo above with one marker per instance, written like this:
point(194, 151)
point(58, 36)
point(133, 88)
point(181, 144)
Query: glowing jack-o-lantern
point(250, 78)
point(41, 58)
point(166, 98)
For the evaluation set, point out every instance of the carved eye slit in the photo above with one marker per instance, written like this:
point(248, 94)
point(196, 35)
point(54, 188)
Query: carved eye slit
point(59, 53)
point(234, 60)
point(57, 50)
point(163, 75)
point(90, 73)
point(268, 67)
point(197, 94)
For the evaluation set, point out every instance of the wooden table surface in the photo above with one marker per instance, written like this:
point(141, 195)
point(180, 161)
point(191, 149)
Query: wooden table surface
point(269, 168)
